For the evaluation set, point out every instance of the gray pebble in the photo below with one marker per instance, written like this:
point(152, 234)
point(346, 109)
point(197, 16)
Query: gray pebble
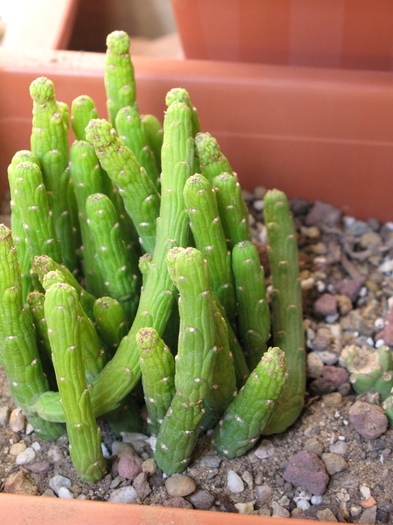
point(123, 495)
point(4, 415)
point(234, 482)
point(211, 462)
point(369, 516)
point(180, 485)
point(58, 481)
point(278, 511)
point(339, 447)
point(202, 500)
point(314, 445)
point(265, 449)
point(54, 454)
point(263, 493)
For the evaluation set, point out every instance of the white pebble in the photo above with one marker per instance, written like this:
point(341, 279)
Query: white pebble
point(25, 457)
point(258, 205)
point(303, 504)
point(105, 451)
point(316, 500)
point(234, 482)
point(36, 446)
point(65, 493)
point(29, 429)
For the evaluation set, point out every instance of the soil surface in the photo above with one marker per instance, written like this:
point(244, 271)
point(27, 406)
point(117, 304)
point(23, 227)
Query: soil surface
point(347, 281)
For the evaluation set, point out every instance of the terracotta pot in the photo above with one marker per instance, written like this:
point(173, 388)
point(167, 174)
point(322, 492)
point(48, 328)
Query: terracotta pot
point(44, 25)
point(337, 33)
point(314, 133)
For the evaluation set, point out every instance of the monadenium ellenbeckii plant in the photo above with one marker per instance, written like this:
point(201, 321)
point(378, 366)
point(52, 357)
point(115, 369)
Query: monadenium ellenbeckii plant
point(164, 292)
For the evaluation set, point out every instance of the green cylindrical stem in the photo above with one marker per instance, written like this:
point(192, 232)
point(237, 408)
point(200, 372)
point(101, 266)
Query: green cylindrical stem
point(31, 198)
point(111, 322)
point(131, 131)
point(65, 113)
point(44, 264)
point(93, 354)
point(154, 134)
point(83, 109)
point(49, 142)
point(252, 305)
point(120, 277)
point(86, 174)
point(122, 372)
point(158, 372)
point(18, 349)
point(182, 95)
point(246, 418)
point(210, 239)
point(35, 302)
point(223, 388)
point(241, 368)
point(141, 199)
point(233, 209)
point(18, 232)
point(61, 312)
point(119, 74)
point(287, 317)
point(195, 359)
point(211, 159)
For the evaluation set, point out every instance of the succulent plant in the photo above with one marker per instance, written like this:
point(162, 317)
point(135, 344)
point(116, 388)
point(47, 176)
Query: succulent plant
point(133, 278)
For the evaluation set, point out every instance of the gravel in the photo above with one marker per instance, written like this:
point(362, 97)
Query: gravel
point(343, 440)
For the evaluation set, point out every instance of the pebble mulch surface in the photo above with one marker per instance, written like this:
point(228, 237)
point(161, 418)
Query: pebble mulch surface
point(333, 465)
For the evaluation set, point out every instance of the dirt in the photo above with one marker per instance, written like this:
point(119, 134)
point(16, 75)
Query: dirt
point(360, 492)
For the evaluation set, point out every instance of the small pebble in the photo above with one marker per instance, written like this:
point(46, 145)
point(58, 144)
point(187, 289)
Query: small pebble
point(58, 481)
point(326, 515)
point(245, 508)
point(314, 365)
point(130, 464)
point(202, 500)
point(326, 305)
point(339, 447)
point(307, 470)
point(5, 412)
point(334, 463)
point(278, 511)
point(369, 420)
point(263, 493)
point(265, 449)
point(180, 485)
point(303, 504)
point(123, 495)
point(234, 482)
point(25, 457)
point(17, 420)
point(17, 448)
point(65, 493)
